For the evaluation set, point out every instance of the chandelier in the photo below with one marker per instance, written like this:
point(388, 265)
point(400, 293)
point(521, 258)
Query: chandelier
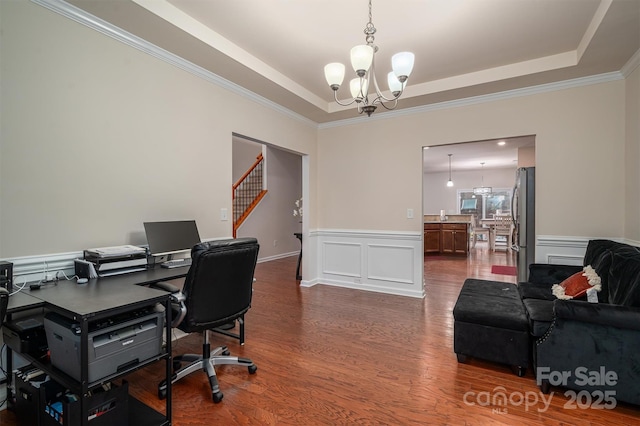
point(363, 63)
point(482, 190)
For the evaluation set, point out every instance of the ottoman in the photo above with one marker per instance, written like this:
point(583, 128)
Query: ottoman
point(490, 323)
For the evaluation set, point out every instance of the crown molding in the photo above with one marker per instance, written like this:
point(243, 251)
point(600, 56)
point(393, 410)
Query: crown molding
point(82, 17)
point(78, 15)
point(515, 93)
point(631, 64)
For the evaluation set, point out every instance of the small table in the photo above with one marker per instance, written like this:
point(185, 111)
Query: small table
point(299, 236)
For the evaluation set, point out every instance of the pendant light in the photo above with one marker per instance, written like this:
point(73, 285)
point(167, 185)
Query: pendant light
point(449, 182)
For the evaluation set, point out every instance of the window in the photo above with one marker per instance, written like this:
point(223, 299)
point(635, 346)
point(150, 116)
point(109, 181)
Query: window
point(486, 206)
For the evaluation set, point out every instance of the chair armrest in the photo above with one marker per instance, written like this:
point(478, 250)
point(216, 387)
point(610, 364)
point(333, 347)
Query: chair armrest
point(177, 301)
point(598, 313)
point(541, 273)
point(163, 285)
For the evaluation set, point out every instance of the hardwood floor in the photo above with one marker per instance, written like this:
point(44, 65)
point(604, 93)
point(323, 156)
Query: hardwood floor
point(335, 356)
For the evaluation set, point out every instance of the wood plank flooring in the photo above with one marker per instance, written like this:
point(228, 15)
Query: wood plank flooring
point(334, 356)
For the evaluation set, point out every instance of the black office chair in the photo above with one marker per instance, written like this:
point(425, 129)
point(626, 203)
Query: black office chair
point(217, 291)
point(4, 300)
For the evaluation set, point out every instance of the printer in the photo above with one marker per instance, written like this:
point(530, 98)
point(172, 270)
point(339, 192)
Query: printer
point(114, 344)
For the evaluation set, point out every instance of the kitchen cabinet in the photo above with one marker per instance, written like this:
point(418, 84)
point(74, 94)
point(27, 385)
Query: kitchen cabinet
point(449, 238)
point(431, 238)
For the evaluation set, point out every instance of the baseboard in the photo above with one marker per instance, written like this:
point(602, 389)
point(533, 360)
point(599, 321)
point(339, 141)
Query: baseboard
point(278, 256)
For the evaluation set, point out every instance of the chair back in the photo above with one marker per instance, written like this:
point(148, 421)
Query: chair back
point(219, 283)
point(503, 223)
point(4, 301)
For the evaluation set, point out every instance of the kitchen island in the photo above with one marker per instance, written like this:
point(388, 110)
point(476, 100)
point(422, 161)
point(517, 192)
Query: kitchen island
point(447, 237)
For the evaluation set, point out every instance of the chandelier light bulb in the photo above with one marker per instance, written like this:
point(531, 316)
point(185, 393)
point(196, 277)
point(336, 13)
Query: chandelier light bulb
point(334, 73)
point(359, 92)
point(394, 84)
point(361, 59)
point(450, 183)
point(402, 64)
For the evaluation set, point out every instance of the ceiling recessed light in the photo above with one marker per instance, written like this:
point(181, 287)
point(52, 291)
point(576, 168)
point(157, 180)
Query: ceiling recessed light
point(501, 143)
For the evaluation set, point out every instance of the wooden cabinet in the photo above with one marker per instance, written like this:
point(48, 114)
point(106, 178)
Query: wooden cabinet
point(454, 238)
point(432, 238)
point(446, 238)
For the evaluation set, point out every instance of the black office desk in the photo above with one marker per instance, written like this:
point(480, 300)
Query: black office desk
point(98, 299)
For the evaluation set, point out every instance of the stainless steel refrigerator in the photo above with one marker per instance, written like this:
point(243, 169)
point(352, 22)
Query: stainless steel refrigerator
point(523, 202)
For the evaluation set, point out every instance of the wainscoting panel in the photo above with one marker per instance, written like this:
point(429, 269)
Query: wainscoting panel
point(386, 260)
point(342, 258)
point(380, 261)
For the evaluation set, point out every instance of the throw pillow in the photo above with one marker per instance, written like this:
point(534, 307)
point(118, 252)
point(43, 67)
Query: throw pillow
point(577, 284)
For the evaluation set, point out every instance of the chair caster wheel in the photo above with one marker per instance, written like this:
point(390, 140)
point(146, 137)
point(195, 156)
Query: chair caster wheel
point(217, 397)
point(252, 369)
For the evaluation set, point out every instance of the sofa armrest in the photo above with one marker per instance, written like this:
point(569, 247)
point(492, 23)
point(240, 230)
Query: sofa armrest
point(598, 313)
point(541, 273)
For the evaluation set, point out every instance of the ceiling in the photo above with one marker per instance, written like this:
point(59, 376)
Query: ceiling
point(494, 153)
point(463, 48)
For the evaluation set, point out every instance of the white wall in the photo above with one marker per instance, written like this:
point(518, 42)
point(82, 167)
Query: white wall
point(98, 137)
point(244, 154)
point(370, 172)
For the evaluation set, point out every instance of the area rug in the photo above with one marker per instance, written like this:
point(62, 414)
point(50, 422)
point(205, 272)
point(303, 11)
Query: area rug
point(504, 270)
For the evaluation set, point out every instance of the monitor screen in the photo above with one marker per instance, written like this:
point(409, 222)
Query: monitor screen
point(171, 237)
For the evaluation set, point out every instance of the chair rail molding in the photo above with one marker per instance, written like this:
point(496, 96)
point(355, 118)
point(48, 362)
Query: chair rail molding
point(380, 261)
point(567, 250)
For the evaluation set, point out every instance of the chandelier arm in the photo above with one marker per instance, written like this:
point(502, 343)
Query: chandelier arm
point(379, 96)
point(335, 96)
point(395, 104)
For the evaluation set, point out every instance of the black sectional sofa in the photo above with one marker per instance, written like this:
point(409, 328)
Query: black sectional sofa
point(573, 343)
point(588, 346)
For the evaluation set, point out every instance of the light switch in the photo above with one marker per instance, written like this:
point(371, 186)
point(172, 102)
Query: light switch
point(409, 213)
point(223, 214)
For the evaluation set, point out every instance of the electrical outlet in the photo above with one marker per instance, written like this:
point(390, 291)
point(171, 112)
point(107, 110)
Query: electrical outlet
point(50, 277)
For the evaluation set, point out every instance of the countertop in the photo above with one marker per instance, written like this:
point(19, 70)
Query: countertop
point(447, 221)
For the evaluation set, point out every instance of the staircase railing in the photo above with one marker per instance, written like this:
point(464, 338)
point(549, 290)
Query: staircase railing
point(247, 193)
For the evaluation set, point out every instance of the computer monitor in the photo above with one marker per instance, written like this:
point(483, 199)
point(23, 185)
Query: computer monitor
point(171, 237)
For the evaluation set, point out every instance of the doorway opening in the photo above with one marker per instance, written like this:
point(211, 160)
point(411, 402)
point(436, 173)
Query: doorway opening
point(483, 175)
point(272, 221)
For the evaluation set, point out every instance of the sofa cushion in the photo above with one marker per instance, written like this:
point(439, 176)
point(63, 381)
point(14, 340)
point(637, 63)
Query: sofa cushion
point(540, 315)
point(535, 291)
point(490, 303)
point(624, 279)
point(542, 273)
point(599, 256)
